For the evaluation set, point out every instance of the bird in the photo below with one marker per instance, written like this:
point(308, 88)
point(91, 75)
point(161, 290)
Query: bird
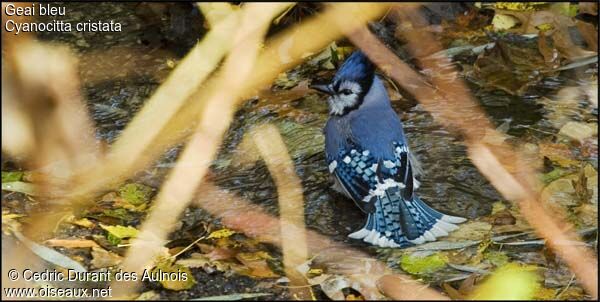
point(369, 158)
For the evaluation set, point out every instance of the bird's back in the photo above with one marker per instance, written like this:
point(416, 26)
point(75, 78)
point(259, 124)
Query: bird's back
point(374, 125)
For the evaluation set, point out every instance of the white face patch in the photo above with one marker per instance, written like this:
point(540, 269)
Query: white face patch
point(347, 95)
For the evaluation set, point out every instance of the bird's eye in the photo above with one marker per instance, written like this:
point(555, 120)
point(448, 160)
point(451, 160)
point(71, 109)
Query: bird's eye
point(346, 92)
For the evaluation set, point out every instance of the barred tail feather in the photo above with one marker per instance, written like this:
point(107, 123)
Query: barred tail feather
point(397, 222)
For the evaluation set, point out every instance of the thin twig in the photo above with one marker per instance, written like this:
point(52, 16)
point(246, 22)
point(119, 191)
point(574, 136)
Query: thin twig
point(180, 185)
point(451, 103)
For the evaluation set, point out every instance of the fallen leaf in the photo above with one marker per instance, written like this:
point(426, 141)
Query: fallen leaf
point(221, 254)
point(102, 258)
point(11, 176)
point(49, 254)
point(112, 196)
point(257, 264)
point(504, 22)
point(149, 295)
point(544, 293)
point(84, 222)
point(135, 194)
point(119, 213)
point(332, 287)
point(352, 297)
point(171, 63)
point(550, 53)
point(452, 292)
point(394, 287)
point(553, 175)
point(496, 258)
point(313, 272)
point(578, 131)
point(472, 230)
point(422, 265)
point(588, 214)
point(560, 193)
point(222, 233)
point(589, 33)
point(19, 186)
point(468, 285)
point(10, 221)
point(588, 8)
point(233, 297)
point(510, 66)
point(510, 282)
point(185, 281)
point(118, 232)
point(518, 6)
point(503, 217)
point(497, 207)
point(72, 243)
point(198, 260)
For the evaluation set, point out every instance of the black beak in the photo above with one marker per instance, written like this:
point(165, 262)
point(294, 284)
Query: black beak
point(322, 88)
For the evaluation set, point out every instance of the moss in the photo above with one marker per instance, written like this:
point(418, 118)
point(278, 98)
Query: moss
point(509, 282)
point(552, 175)
point(496, 258)
point(422, 265)
point(135, 194)
point(118, 232)
point(11, 176)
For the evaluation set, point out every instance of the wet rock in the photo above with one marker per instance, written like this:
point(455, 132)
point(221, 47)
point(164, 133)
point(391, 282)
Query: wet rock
point(435, 13)
point(511, 66)
point(503, 217)
point(558, 153)
point(588, 214)
point(535, 258)
point(592, 182)
point(103, 258)
point(560, 192)
point(557, 276)
point(578, 131)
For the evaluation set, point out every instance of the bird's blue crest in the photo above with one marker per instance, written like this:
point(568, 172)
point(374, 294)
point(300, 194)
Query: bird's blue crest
point(356, 68)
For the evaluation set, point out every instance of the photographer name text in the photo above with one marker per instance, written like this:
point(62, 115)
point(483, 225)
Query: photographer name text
point(42, 280)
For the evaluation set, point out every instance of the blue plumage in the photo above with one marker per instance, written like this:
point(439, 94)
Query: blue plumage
point(368, 156)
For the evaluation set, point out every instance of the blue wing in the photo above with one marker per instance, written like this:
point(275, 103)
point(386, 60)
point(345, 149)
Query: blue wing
point(359, 171)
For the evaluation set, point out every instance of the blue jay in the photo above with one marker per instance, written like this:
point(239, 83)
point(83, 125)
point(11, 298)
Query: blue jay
point(368, 155)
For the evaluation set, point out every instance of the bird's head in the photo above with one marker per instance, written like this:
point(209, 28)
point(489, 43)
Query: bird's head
point(349, 85)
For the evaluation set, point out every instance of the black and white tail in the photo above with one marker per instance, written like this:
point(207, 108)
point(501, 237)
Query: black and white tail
point(399, 222)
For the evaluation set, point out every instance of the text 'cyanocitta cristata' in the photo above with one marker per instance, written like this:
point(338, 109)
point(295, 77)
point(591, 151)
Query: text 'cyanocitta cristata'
point(368, 155)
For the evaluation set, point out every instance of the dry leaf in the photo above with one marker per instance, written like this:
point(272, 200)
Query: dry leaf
point(84, 222)
point(220, 254)
point(468, 285)
point(72, 243)
point(257, 264)
point(452, 292)
point(352, 297)
point(184, 282)
point(103, 258)
point(558, 153)
point(202, 261)
point(222, 233)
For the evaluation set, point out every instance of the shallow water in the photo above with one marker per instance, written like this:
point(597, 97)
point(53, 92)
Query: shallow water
point(450, 182)
point(116, 91)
